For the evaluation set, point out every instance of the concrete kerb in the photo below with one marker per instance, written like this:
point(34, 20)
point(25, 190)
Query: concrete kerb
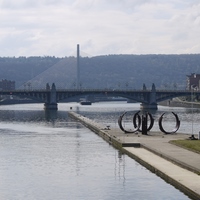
point(173, 181)
point(172, 159)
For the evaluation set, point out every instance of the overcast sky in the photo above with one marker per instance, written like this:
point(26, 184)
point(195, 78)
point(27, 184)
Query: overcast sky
point(101, 27)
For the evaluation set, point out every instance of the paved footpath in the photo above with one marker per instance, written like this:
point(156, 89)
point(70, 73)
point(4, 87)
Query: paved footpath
point(158, 143)
point(176, 165)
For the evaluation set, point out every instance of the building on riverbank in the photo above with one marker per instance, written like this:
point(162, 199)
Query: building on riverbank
point(7, 84)
point(193, 81)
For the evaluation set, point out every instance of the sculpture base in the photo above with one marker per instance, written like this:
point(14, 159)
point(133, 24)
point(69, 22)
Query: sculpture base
point(148, 106)
point(51, 106)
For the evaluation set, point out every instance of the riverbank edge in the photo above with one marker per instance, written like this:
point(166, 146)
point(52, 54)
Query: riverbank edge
point(115, 142)
point(180, 103)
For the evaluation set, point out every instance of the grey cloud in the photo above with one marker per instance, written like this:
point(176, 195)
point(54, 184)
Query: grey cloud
point(19, 4)
point(104, 5)
point(100, 26)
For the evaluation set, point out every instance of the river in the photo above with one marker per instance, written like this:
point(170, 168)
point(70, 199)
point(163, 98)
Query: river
point(47, 155)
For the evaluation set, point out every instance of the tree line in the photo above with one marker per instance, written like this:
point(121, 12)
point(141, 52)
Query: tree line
point(106, 71)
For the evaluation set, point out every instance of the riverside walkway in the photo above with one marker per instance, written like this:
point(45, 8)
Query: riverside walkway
point(180, 167)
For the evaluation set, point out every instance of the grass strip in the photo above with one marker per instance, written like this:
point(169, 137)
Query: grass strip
point(192, 145)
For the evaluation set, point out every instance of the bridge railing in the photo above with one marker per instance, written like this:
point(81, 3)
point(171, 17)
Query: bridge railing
point(101, 90)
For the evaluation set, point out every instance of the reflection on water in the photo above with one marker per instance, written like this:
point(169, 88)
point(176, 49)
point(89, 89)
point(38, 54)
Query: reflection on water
point(47, 155)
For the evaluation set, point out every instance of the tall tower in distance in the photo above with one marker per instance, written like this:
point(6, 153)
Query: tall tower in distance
point(78, 68)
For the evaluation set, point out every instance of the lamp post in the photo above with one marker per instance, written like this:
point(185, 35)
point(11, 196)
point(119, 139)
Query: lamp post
point(193, 88)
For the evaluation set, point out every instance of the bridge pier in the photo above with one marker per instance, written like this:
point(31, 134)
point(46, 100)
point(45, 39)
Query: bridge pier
point(50, 106)
point(150, 99)
point(51, 101)
point(144, 106)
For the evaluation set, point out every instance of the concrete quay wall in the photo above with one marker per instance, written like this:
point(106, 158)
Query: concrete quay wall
point(99, 129)
point(135, 146)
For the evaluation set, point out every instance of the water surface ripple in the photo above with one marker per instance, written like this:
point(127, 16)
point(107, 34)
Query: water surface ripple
point(46, 155)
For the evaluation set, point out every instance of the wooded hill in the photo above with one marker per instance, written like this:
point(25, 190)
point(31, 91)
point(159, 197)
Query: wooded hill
point(106, 71)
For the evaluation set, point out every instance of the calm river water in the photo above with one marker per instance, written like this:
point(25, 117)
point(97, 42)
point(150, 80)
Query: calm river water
point(46, 155)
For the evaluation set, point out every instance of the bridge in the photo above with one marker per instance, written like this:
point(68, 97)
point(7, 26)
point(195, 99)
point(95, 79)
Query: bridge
point(52, 96)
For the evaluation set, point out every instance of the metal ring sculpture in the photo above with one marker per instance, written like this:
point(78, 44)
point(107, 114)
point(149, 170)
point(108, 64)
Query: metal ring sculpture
point(136, 117)
point(150, 125)
point(176, 127)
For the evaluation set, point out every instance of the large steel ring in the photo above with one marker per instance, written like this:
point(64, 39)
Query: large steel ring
point(136, 117)
point(176, 127)
point(150, 125)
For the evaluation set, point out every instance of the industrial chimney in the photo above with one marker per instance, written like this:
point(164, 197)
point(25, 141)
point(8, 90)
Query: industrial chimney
point(78, 69)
